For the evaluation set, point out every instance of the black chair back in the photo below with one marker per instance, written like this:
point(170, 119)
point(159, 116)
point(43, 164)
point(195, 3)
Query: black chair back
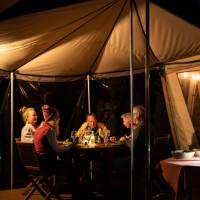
point(31, 164)
point(27, 155)
point(48, 166)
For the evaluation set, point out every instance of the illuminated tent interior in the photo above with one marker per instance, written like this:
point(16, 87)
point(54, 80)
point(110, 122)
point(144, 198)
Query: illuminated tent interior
point(66, 44)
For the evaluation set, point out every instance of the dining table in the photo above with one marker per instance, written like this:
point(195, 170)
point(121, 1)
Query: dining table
point(93, 149)
point(183, 175)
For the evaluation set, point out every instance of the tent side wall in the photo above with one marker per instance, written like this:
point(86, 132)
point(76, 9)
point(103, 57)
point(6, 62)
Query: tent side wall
point(180, 121)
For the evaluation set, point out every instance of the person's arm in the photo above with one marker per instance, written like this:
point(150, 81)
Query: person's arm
point(136, 134)
point(51, 136)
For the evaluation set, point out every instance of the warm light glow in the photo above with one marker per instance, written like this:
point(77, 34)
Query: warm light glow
point(196, 77)
point(185, 75)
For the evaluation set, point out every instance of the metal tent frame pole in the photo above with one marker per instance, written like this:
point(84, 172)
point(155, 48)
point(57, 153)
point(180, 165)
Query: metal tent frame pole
point(131, 100)
point(11, 127)
point(88, 91)
point(147, 107)
point(147, 104)
point(89, 111)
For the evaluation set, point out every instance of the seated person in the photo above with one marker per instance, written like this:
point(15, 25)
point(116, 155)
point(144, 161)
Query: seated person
point(99, 129)
point(29, 117)
point(139, 149)
point(138, 124)
point(138, 129)
point(126, 118)
point(48, 149)
point(91, 124)
point(45, 139)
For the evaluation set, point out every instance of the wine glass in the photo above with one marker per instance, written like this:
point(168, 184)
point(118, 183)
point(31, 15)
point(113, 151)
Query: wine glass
point(101, 136)
point(106, 137)
point(87, 135)
point(73, 135)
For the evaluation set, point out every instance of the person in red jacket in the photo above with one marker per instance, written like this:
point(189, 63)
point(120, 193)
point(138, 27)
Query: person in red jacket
point(45, 139)
point(56, 157)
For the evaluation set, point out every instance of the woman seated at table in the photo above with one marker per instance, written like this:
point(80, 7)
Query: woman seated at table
point(48, 150)
point(99, 130)
point(45, 139)
point(29, 117)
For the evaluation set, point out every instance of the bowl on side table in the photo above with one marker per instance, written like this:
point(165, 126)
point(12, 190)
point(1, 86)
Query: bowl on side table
point(177, 153)
point(197, 152)
point(181, 154)
point(188, 154)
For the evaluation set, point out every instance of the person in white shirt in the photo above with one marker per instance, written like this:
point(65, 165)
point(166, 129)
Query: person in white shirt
point(29, 117)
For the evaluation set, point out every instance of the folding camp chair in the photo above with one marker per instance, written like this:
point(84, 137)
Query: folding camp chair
point(40, 171)
point(49, 171)
point(30, 162)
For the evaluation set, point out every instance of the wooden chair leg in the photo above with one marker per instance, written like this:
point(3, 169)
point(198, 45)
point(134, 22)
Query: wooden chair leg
point(35, 186)
point(53, 190)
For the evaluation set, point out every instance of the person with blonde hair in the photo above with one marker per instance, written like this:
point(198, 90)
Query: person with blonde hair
point(29, 117)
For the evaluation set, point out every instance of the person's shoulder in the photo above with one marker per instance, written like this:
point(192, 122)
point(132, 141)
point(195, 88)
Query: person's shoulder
point(24, 127)
point(83, 125)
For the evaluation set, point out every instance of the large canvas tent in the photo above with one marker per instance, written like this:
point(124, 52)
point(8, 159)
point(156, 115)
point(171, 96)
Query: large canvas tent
point(93, 38)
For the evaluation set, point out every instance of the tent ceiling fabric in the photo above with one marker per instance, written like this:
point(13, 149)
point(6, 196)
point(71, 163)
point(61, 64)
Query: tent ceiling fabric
point(93, 37)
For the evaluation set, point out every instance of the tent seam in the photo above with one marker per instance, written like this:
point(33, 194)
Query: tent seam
point(139, 19)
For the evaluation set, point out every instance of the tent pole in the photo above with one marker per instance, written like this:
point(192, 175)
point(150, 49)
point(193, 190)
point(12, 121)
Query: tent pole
point(11, 127)
point(147, 108)
point(88, 88)
point(89, 111)
point(131, 100)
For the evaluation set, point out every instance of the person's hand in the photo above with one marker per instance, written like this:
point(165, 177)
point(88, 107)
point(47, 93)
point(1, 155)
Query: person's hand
point(122, 139)
point(128, 137)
